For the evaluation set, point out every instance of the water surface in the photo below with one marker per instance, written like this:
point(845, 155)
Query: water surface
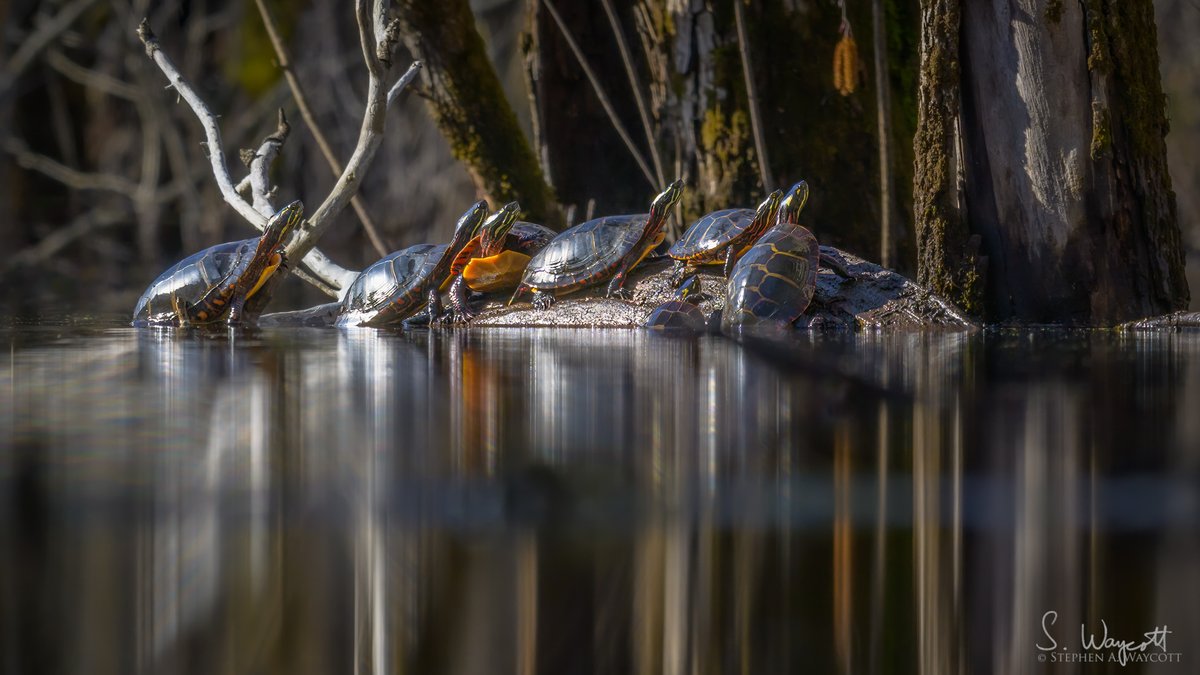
point(585, 501)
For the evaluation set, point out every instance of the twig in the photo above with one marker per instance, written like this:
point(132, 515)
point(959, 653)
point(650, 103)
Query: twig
point(260, 163)
point(73, 178)
point(41, 37)
point(631, 73)
point(604, 100)
point(883, 110)
point(760, 144)
point(402, 83)
point(90, 78)
point(319, 267)
point(310, 120)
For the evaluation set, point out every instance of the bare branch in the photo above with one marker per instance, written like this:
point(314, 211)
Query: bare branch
point(90, 78)
point(756, 124)
point(634, 84)
point(600, 93)
point(260, 164)
point(73, 178)
point(285, 64)
point(331, 277)
point(83, 225)
point(402, 83)
point(369, 138)
point(43, 35)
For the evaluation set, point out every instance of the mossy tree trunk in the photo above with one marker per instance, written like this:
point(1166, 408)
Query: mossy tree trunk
point(1042, 192)
point(468, 104)
point(689, 64)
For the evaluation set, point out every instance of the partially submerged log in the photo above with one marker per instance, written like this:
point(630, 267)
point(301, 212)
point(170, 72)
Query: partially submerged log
point(878, 299)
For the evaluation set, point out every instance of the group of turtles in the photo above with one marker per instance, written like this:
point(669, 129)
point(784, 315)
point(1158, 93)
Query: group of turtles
point(770, 262)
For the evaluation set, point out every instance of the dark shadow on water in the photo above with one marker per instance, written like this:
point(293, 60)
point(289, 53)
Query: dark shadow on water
point(578, 501)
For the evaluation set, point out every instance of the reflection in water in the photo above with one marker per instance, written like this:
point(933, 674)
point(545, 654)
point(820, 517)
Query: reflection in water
point(590, 501)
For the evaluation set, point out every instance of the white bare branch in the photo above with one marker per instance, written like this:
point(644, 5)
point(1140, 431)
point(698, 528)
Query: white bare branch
point(260, 164)
point(317, 267)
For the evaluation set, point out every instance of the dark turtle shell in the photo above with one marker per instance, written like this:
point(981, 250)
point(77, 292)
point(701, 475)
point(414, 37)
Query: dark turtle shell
point(188, 280)
point(584, 255)
point(391, 288)
point(528, 238)
point(775, 280)
point(677, 315)
point(712, 233)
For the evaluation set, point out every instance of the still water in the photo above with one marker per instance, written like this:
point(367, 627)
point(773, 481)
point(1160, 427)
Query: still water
point(579, 501)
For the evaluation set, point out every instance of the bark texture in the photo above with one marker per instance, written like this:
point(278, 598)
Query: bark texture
point(691, 67)
point(470, 108)
point(1041, 182)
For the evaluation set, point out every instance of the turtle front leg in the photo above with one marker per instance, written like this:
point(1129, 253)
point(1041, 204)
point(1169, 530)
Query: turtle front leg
point(460, 307)
point(542, 299)
point(433, 309)
point(730, 260)
point(678, 273)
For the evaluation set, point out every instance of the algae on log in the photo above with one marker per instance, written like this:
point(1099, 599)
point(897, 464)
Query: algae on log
point(690, 64)
point(1040, 142)
point(469, 106)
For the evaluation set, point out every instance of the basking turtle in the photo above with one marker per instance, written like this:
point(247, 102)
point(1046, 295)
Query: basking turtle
point(775, 280)
point(395, 287)
point(595, 251)
point(721, 237)
point(495, 260)
point(225, 281)
point(682, 313)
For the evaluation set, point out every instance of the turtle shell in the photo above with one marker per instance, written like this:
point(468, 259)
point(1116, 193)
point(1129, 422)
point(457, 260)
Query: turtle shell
point(677, 315)
point(775, 280)
point(188, 280)
point(585, 254)
point(707, 237)
point(396, 283)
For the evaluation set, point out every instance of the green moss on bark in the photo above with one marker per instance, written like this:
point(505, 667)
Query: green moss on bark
point(469, 106)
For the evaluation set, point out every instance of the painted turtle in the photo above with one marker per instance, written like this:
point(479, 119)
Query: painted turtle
point(219, 282)
point(597, 250)
point(775, 280)
point(495, 260)
point(682, 313)
point(395, 287)
point(721, 237)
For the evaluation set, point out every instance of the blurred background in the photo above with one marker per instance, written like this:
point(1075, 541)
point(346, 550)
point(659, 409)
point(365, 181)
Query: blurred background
point(104, 182)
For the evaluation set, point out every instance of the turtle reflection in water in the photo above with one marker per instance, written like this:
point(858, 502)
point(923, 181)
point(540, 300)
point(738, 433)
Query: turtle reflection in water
point(681, 314)
point(231, 281)
point(774, 282)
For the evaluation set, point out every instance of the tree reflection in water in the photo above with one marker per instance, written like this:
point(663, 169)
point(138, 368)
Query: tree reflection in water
point(589, 501)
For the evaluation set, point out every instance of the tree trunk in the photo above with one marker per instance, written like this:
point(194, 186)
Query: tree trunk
point(468, 104)
point(691, 67)
point(1040, 145)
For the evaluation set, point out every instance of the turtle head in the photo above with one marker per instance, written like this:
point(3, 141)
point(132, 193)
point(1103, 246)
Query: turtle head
point(496, 228)
point(765, 215)
point(793, 203)
point(666, 199)
point(689, 290)
point(283, 223)
point(468, 225)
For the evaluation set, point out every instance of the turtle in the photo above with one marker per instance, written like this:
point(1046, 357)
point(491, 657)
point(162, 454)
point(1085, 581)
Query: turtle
point(597, 250)
point(398, 285)
point(228, 281)
point(681, 313)
point(493, 261)
point(775, 280)
point(721, 237)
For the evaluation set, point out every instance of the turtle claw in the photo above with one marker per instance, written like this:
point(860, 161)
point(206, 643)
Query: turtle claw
point(619, 294)
point(456, 316)
point(542, 300)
